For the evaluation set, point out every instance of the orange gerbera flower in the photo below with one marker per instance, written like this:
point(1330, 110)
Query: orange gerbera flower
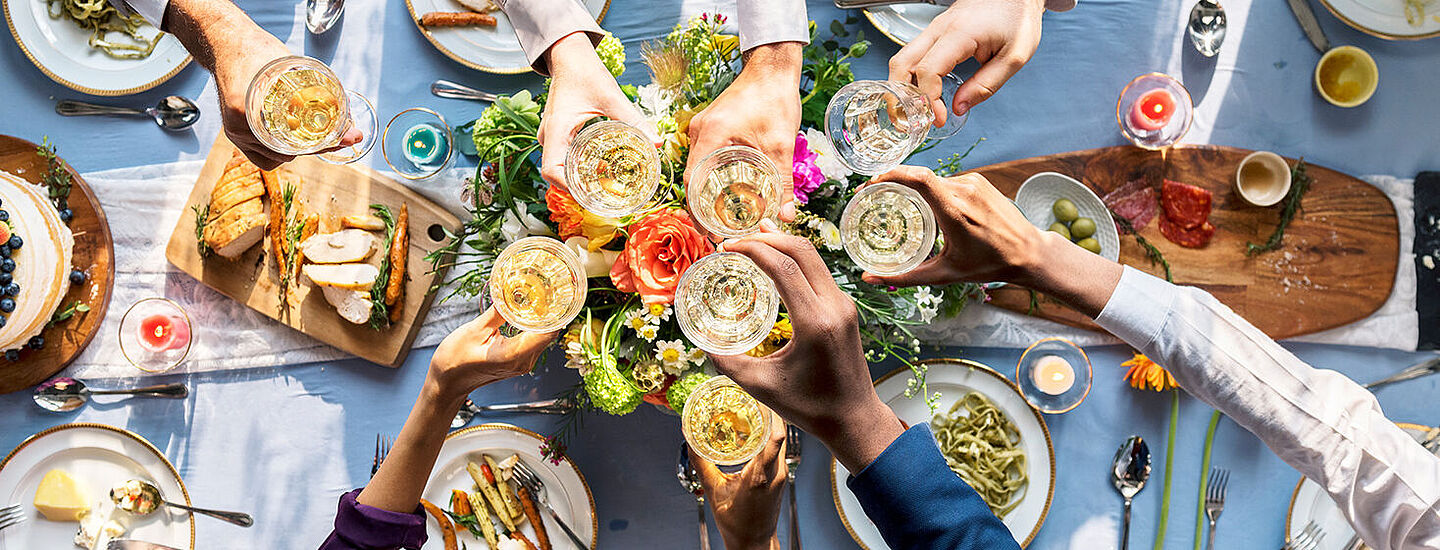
point(1144, 374)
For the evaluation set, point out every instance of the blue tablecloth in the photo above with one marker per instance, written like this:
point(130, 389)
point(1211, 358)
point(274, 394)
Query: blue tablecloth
point(285, 442)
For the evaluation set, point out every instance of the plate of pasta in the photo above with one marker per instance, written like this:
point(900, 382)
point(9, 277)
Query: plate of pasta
point(89, 47)
point(990, 437)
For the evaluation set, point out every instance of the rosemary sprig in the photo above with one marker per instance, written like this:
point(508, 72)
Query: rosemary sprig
point(379, 312)
point(290, 246)
point(202, 214)
point(1300, 183)
point(1151, 253)
point(569, 424)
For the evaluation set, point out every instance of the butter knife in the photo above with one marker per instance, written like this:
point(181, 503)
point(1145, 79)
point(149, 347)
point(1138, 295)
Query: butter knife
point(136, 545)
point(1412, 372)
point(863, 4)
point(1309, 24)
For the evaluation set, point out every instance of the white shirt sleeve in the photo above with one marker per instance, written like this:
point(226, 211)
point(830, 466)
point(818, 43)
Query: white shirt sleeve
point(539, 24)
point(152, 10)
point(770, 21)
point(1317, 421)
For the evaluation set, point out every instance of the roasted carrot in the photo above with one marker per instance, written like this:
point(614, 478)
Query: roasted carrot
point(447, 528)
point(520, 537)
point(399, 254)
point(460, 503)
point(527, 501)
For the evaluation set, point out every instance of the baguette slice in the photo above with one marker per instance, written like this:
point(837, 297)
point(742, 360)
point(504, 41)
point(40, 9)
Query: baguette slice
point(346, 276)
point(353, 305)
point(348, 246)
point(237, 229)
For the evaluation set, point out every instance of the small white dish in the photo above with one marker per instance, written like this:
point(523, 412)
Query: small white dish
point(1262, 178)
point(1037, 196)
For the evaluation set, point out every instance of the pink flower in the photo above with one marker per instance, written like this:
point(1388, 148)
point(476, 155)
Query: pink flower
point(807, 173)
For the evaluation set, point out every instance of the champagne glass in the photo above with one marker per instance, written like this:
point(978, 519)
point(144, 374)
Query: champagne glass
point(723, 424)
point(732, 189)
point(875, 124)
point(417, 143)
point(537, 284)
point(155, 335)
point(725, 304)
point(612, 169)
point(1154, 111)
point(887, 229)
point(296, 106)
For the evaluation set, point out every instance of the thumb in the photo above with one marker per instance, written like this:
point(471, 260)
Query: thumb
point(555, 137)
point(985, 82)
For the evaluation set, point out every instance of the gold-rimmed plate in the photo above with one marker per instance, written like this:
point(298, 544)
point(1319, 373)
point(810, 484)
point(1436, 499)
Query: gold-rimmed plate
point(1386, 18)
point(954, 378)
point(490, 49)
point(99, 457)
point(569, 494)
point(902, 23)
point(61, 50)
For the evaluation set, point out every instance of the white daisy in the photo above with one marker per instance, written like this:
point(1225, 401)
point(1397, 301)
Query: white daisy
point(658, 312)
point(649, 332)
point(696, 356)
point(635, 319)
point(672, 355)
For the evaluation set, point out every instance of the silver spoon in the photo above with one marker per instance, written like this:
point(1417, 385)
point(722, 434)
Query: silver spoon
point(1132, 468)
point(172, 113)
point(143, 498)
point(1207, 27)
point(68, 394)
point(468, 411)
point(451, 90)
point(690, 480)
point(321, 15)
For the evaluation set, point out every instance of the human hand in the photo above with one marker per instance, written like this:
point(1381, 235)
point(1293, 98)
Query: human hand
point(581, 88)
point(747, 504)
point(761, 109)
point(477, 354)
point(819, 380)
point(1000, 34)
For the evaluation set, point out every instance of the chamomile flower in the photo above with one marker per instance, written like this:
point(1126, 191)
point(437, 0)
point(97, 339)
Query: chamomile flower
point(696, 356)
point(672, 355)
point(659, 312)
point(635, 319)
point(649, 332)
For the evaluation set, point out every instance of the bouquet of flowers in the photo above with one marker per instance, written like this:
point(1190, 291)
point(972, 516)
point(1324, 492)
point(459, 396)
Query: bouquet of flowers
point(626, 345)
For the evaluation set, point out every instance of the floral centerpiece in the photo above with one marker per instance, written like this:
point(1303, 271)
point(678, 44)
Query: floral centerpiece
point(626, 345)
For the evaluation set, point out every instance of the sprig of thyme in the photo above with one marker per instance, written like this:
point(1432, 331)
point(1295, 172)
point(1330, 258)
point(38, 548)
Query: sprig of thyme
point(379, 312)
point(291, 238)
point(202, 215)
point(55, 179)
point(1300, 183)
point(1151, 253)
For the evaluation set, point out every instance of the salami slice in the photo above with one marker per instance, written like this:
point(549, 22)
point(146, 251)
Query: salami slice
point(1185, 205)
point(1196, 237)
point(1139, 206)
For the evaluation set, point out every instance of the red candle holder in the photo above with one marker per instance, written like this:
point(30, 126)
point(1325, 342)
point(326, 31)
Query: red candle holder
point(1154, 111)
point(155, 335)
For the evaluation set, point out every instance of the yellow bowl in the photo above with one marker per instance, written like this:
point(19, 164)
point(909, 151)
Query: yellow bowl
point(1346, 76)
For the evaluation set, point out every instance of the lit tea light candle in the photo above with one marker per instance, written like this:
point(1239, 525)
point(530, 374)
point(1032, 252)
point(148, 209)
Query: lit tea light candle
point(1153, 110)
point(1053, 375)
point(161, 332)
point(424, 145)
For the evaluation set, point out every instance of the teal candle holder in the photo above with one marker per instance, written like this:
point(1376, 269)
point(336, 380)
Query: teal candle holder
point(418, 143)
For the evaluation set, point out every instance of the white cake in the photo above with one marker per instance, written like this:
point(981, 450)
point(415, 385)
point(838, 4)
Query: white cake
point(42, 263)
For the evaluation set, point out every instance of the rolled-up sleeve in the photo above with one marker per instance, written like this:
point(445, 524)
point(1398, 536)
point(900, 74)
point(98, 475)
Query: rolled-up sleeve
point(770, 21)
point(539, 24)
point(1317, 421)
point(361, 527)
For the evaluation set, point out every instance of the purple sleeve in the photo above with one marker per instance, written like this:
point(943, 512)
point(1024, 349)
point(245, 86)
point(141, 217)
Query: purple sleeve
point(362, 527)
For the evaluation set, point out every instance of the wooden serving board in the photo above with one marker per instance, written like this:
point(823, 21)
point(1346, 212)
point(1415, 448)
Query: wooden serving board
point(94, 254)
point(1336, 265)
point(333, 191)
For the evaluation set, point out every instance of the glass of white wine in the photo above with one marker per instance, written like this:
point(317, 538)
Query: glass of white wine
point(537, 284)
point(723, 424)
point(725, 304)
point(296, 106)
point(732, 189)
point(875, 124)
point(612, 169)
point(887, 229)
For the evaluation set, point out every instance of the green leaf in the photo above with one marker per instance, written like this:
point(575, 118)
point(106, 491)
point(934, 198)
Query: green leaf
point(838, 29)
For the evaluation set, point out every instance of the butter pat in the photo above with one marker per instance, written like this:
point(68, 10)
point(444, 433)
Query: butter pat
point(60, 497)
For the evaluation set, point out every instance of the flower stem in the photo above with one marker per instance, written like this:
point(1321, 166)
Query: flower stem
point(1169, 461)
point(1204, 479)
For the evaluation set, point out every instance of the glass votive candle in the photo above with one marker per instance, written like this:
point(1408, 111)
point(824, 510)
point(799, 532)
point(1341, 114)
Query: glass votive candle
point(417, 143)
point(1054, 375)
point(1154, 111)
point(155, 334)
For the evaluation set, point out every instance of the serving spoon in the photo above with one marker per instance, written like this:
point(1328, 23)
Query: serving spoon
point(1207, 27)
point(1132, 468)
point(172, 113)
point(143, 498)
point(68, 394)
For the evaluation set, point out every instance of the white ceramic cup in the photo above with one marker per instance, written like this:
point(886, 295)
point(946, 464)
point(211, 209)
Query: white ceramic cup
point(1249, 190)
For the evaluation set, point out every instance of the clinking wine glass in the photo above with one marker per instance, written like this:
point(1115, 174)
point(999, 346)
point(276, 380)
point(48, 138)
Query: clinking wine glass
point(612, 169)
point(296, 106)
point(725, 304)
point(875, 124)
point(732, 190)
point(887, 229)
point(537, 284)
point(724, 424)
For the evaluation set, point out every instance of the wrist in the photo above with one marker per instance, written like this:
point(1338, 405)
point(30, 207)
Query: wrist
point(861, 434)
point(440, 394)
point(571, 53)
point(1052, 271)
point(775, 60)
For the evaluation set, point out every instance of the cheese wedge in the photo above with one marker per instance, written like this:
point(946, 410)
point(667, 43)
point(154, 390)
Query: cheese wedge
point(346, 276)
point(60, 497)
point(348, 246)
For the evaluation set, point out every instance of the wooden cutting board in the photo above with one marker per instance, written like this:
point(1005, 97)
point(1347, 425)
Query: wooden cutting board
point(334, 191)
point(94, 253)
point(1336, 266)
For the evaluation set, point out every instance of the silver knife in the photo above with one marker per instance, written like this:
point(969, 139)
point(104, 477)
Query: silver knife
point(863, 4)
point(1309, 24)
point(136, 545)
point(1425, 368)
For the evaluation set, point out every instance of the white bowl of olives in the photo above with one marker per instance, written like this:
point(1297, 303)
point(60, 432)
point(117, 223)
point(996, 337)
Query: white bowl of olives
point(1058, 203)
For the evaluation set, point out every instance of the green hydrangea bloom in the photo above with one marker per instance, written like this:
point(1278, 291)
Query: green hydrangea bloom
point(680, 390)
point(612, 54)
point(492, 118)
point(610, 391)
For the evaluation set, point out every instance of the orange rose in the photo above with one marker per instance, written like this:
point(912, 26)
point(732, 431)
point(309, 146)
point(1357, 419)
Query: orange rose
point(574, 220)
point(661, 247)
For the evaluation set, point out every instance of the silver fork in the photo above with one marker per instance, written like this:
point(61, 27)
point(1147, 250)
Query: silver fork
point(792, 463)
point(1308, 539)
point(1215, 500)
point(11, 515)
point(536, 486)
point(382, 449)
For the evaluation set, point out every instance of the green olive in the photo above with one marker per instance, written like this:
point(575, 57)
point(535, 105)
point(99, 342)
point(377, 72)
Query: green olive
point(1081, 228)
point(1089, 243)
point(1061, 229)
point(1065, 210)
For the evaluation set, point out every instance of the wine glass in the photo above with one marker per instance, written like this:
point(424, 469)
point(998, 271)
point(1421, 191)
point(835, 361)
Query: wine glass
point(1054, 375)
point(296, 106)
point(875, 124)
point(612, 169)
point(1154, 111)
point(887, 229)
point(155, 335)
point(732, 189)
point(537, 284)
point(724, 424)
point(725, 304)
point(417, 143)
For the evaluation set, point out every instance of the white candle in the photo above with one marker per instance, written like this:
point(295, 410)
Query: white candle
point(1053, 375)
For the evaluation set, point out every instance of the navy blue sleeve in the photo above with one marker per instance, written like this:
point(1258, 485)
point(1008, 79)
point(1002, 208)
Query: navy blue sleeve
point(917, 502)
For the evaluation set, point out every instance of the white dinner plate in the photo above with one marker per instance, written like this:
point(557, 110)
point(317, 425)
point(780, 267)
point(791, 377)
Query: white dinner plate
point(568, 492)
point(954, 378)
point(490, 49)
point(1037, 196)
point(62, 51)
point(1311, 503)
point(98, 457)
point(901, 23)
point(1386, 18)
